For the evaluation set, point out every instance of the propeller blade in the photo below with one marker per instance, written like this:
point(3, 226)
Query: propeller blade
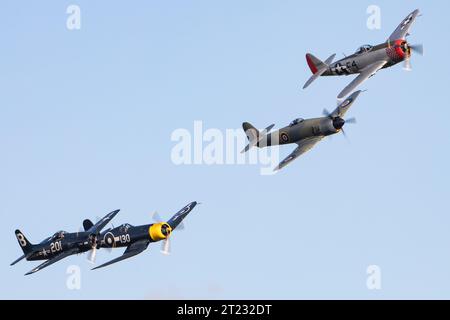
point(345, 134)
point(351, 120)
point(92, 254)
point(326, 113)
point(417, 48)
point(165, 247)
point(181, 226)
point(156, 217)
point(407, 65)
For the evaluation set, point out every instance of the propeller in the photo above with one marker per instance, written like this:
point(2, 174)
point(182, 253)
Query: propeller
point(157, 218)
point(93, 252)
point(93, 240)
point(417, 48)
point(338, 124)
point(351, 120)
point(407, 65)
point(165, 247)
point(165, 244)
point(92, 255)
point(326, 113)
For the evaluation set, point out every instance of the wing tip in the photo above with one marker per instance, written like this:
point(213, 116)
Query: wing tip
point(31, 272)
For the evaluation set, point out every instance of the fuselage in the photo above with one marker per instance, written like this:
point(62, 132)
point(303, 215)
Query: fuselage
point(301, 129)
point(127, 234)
point(393, 52)
point(53, 246)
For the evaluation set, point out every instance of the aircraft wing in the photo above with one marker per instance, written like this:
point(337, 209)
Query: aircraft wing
point(345, 105)
point(402, 30)
point(56, 258)
point(132, 250)
point(303, 146)
point(363, 76)
point(180, 215)
point(96, 228)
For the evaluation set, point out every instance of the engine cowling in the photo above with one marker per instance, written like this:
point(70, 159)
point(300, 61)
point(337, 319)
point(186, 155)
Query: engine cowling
point(159, 231)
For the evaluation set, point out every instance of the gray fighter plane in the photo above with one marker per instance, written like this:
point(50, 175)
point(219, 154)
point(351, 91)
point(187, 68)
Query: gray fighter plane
point(368, 59)
point(304, 133)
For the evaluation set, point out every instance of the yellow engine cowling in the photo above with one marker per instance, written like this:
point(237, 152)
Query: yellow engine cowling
point(159, 231)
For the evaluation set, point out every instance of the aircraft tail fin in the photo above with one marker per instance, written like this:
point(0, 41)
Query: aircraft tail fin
point(26, 245)
point(314, 63)
point(254, 135)
point(317, 66)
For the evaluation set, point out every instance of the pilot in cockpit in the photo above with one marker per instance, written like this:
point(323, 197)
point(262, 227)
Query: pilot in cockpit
point(364, 48)
point(296, 121)
point(124, 227)
point(58, 235)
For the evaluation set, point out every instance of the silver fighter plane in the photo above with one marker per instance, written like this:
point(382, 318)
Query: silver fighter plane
point(368, 59)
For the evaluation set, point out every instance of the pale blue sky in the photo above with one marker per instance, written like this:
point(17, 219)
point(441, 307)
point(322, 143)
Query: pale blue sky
point(85, 124)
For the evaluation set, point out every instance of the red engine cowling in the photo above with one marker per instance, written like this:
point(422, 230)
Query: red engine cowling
point(399, 50)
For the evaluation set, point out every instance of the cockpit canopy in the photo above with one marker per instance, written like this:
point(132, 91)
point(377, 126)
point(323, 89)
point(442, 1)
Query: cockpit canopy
point(296, 121)
point(124, 227)
point(58, 235)
point(364, 48)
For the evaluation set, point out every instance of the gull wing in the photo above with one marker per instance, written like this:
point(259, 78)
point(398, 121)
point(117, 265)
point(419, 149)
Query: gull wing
point(363, 76)
point(402, 30)
point(96, 228)
point(345, 105)
point(180, 215)
point(132, 250)
point(53, 260)
point(303, 146)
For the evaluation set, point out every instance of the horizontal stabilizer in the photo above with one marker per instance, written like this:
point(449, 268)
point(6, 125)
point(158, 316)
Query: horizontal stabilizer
point(314, 77)
point(22, 257)
point(318, 68)
point(253, 135)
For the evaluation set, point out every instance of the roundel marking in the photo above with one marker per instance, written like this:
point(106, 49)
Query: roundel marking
point(346, 103)
point(284, 137)
point(109, 239)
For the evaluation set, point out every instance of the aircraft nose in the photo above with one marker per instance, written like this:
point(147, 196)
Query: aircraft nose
point(338, 123)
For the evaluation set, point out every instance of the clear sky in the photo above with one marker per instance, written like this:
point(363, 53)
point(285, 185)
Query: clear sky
point(85, 123)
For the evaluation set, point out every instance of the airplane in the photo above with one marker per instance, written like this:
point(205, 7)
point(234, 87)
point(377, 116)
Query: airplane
point(304, 133)
point(368, 60)
point(137, 238)
point(63, 244)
